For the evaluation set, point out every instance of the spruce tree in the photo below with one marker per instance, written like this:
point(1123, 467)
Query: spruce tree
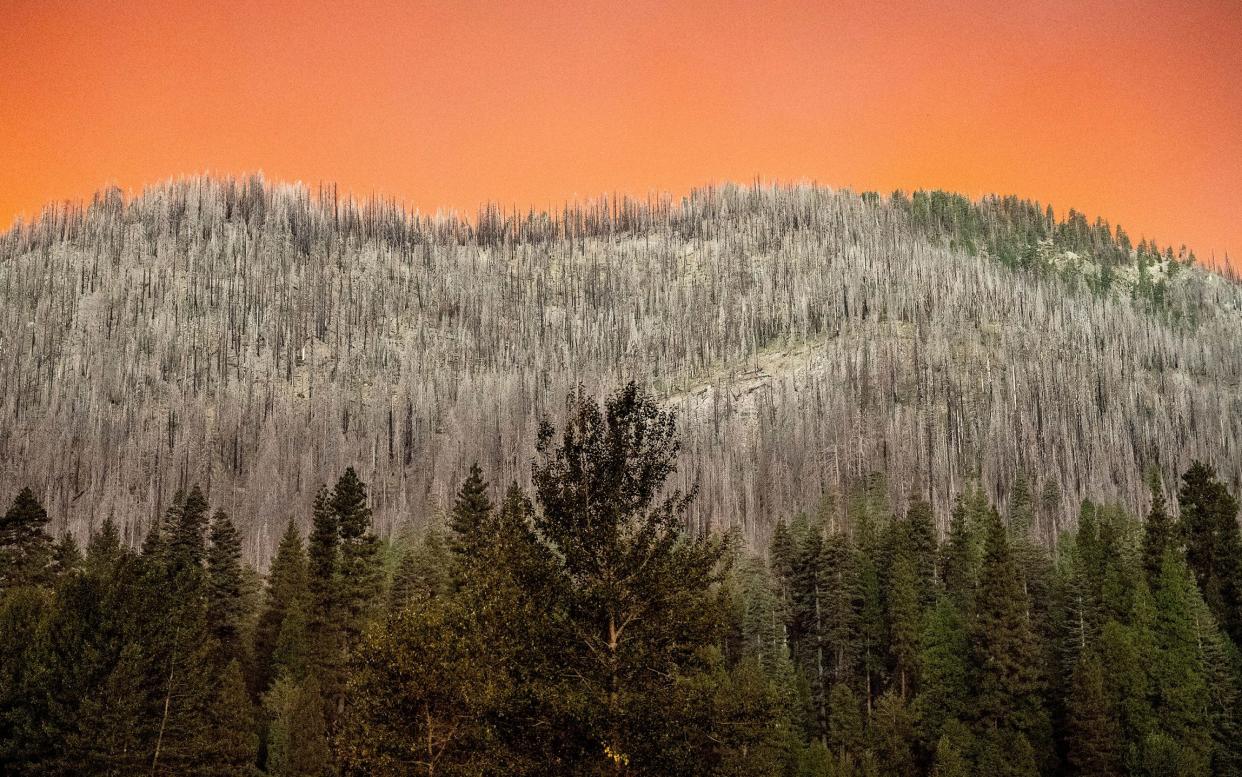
point(359, 567)
point(1159, 531)
point(1094, 736)
point(944, 669)
point(920, 542)
point(905, 617)
point(225, 606)
point(1021, 517)
point(1209, 524)
point(25, 546)
point(892, 733)
point(845, 727)
point(424, 571)
point(1179, 684)
point(287, 588)
point(229, 743)
point(323, 563)
point(104, 548)
point(1006, 655)
point(471, 517)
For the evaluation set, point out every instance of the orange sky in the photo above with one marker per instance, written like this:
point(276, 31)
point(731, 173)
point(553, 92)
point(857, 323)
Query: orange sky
point(1130, 110)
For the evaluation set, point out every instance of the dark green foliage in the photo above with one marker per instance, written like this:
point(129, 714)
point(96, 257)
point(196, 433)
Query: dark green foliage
point(471, 515)
point(587, 632)
point(1006, 656)
point(359, 578)
point(225, 606)
point(635, 591)
point(1094, 736)
point(1209, 525)
point(1178, 678)
point(424, 571)
point(25, 546)
point(1159, 532)
point(287, 591)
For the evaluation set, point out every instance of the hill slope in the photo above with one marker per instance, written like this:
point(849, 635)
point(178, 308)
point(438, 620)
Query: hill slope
point(257, 339)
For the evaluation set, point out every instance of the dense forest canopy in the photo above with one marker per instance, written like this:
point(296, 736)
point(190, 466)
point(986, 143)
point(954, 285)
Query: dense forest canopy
point(257, 339)
point(579, 628)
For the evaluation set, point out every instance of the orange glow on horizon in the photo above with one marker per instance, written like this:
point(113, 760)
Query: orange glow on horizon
point(1130, 110)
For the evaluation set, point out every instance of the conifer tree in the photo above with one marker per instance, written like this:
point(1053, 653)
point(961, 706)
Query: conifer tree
point(904, 622)
point(298, 737)
point(113, 740)
point(1209, 524)
point(944, 670)
point(1094, 736)
point(323, 562)
point(920, 541)
point(1021, 507)
point(230, 744)
point(424, 570)
point(104, 548)
point(960, 553)
point(892, 735)
point(1159, 532)
point(359, 581)
point(845, 726)
point(471, 516)
point(225, 606)
point(287, 588)
point(1006, 656)
point(66, 555)
point(25, 546)
point(637, 592)
point(187, 543)
point(1177, 674)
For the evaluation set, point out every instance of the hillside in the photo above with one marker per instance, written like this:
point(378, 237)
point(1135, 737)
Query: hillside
point(257, 339)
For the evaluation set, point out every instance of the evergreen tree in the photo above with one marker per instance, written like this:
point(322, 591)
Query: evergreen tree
point(298, 737)
point(1021, 508)
point(230, 745)
point(893, 735)
point(25, 546)
point(845, 727)
point(1177, 674)
point(323, 563)
point(904, 622)
point(113, 741)
point(471, 516)
point(944, 670)
point(1095, 747)
point(1209, 524)
point(66, 555)
point(637, 593)
point(359, 577)
point(424, 571)
point(104, 548)
point(1160, 534)
point(287, 588)
point(920, 542)
point(225, 606)
point(187, 543)
point(1006, 656)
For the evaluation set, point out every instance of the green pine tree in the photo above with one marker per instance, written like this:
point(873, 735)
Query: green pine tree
point(1209, 524)
point(471, 517)
point(1160, 533)
point(25, 546)
point(1094, 735)
point(1006, 654)
point(226, 609)
point(287, 588)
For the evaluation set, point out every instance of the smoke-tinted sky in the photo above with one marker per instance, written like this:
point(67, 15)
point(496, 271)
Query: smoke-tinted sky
point(1130, 110)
